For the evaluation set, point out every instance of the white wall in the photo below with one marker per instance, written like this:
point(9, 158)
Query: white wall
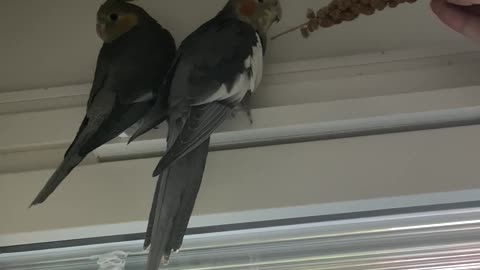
point(255, 178)
point(298, 100)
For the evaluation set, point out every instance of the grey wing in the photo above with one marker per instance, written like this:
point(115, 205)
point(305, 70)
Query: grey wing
point(212, 76)
point(202, 121)
point(211, 61)
point(157, 113)
point(143, 57)
point(208, 62)
point(122, 78)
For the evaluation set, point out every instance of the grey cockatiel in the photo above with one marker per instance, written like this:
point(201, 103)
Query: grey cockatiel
point(215, 70)
point(131, 66)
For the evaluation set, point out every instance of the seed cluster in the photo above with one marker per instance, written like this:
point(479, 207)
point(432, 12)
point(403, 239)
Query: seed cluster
point(339, 11)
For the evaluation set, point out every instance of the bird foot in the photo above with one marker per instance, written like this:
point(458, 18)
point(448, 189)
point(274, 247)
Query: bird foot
point(248, 112)
point(165, 260)
point(245, 106)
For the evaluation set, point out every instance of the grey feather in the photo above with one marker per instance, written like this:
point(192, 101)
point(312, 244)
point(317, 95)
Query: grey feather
point(128, 76)
point(209, 79)
point(202, 121)
point(174, 200)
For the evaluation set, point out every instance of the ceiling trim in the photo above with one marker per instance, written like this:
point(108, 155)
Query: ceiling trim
point(290, 74)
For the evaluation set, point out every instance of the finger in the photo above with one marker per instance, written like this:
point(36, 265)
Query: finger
point(464, 2)
point(458, 19)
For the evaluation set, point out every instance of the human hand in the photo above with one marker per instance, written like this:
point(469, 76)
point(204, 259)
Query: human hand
point(462, 16)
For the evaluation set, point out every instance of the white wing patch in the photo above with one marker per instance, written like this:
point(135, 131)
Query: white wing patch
point(256, 64)
point(246, 81)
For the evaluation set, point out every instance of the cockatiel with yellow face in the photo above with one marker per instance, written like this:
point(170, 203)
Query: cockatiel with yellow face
point(136, 54)
point(215, 70)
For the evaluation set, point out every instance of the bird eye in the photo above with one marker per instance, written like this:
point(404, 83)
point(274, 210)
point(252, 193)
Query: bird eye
point(113, 17)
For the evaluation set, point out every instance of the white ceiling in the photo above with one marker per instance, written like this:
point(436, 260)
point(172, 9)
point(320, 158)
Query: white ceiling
point(52, 42)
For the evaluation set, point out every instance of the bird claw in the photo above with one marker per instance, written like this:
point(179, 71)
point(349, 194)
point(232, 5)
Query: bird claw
point(249, 115)
point(245, 106)
point(247, 111)
point(165, 260)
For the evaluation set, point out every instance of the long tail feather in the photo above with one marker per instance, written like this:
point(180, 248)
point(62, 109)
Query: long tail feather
point(176, 193)
point(91, 135)
point(153, 211)
point(68, 164)
point(70, 161)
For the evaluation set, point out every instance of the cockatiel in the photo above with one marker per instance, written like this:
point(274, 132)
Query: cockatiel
point(136, 54)
point(215, 70)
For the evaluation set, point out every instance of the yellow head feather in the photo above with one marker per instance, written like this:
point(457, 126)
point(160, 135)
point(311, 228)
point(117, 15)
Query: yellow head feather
point(115, 18)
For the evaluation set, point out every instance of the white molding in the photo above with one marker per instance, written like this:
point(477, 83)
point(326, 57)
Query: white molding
point(21, 149)
point(293, 212)
point(428, 240)
point(381, 57)
point(329, 120)
point(43, 99)
point(42, 123)
point(303, 101)
point(42, 94)
point(294, 72)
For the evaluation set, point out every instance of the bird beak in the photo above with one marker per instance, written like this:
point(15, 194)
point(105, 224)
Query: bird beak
point(100, 29)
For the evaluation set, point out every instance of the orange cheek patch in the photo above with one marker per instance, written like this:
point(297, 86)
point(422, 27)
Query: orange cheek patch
point(248, 7)
point(127, 22)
